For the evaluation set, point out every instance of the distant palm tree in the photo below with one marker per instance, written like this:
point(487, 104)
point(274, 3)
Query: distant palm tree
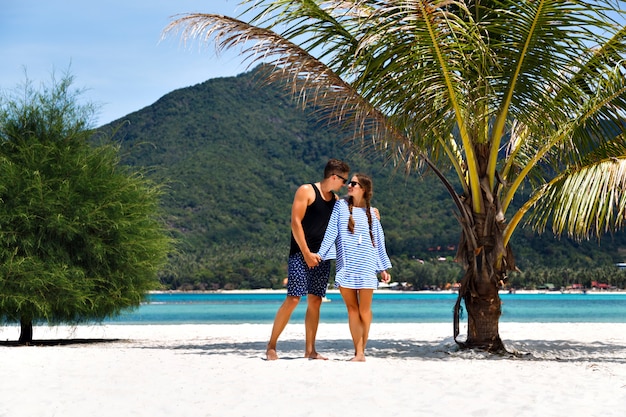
point(500, 93)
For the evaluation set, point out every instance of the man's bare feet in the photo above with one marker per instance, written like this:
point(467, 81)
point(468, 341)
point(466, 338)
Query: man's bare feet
point(271, 355)
point(315, 355)
point(360, 358)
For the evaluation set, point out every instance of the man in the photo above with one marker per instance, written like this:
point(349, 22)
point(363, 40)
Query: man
point(307, 274)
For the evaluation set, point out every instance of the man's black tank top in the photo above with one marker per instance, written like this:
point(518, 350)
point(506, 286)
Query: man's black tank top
point(314, 222)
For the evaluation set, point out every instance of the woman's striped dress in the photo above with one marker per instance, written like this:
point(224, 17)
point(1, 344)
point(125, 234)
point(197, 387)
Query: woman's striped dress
point(358, 261)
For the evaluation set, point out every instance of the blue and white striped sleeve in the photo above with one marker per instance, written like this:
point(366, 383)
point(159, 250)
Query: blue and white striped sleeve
point(328, 248)
point(383, 263)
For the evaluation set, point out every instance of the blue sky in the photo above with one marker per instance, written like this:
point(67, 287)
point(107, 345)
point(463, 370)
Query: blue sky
point(113, 48)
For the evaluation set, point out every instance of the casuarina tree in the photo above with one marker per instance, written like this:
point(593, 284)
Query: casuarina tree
point(501, 99)
point(81, 236)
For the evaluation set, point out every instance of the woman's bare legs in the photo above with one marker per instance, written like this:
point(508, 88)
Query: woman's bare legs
point(359, 306)
point(365, 310)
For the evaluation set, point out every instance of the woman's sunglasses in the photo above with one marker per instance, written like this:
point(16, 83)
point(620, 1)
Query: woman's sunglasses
point(353, 184)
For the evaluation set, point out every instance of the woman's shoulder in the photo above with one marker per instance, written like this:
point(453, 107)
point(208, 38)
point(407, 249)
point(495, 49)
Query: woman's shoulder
point(341, 206)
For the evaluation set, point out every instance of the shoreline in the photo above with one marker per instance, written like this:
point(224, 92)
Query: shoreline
point(563, 369)
point(388, 291)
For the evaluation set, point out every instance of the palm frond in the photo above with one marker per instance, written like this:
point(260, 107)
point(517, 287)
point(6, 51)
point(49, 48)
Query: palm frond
point(311, 81)
point(528, 24)
point(579, 114)
point(598, 125)
point(458, 83)
point(586, 203)
point(409, 63)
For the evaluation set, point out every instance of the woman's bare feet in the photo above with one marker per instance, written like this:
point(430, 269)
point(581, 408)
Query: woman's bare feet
point(359, 358)
point(271, 355)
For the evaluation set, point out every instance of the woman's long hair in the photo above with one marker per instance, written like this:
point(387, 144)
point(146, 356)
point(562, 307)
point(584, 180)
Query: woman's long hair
point(365, 183)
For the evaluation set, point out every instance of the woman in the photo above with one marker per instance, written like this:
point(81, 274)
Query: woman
point(355, 237)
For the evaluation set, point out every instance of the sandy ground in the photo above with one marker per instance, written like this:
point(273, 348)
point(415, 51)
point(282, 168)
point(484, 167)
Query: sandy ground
point(565, 369)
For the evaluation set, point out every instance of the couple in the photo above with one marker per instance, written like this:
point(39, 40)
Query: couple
point(323, 228)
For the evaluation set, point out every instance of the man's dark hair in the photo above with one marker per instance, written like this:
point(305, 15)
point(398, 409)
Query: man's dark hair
point(335, 166)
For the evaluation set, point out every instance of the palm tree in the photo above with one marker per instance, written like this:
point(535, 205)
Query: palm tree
point(497, 97)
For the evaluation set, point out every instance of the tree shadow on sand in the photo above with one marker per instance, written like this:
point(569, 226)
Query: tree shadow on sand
point(57, 342)
point(445, 349)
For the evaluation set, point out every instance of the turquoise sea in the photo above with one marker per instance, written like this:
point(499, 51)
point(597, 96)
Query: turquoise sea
point(388, 307)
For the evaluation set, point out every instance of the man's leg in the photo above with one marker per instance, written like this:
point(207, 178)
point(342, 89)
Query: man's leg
point(311, 321)
point(317, 283)
point(280, 322)
point(297, 282)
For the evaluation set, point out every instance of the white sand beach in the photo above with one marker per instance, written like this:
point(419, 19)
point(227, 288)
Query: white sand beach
point(219, 370)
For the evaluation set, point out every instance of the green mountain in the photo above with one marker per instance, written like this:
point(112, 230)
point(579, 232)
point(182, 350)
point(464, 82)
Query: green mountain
point(232, 152)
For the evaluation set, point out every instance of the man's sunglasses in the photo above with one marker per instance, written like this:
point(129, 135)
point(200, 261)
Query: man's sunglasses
point(345, 180)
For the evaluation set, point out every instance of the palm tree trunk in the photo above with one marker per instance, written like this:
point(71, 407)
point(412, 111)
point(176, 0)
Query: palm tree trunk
point(484, 308)
point(486, 260)
point(26, 331)
point(483, 316)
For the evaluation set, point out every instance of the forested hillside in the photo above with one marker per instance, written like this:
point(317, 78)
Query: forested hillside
point(232, 153)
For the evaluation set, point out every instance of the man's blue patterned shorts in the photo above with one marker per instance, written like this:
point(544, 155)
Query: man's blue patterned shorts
point(302, 280)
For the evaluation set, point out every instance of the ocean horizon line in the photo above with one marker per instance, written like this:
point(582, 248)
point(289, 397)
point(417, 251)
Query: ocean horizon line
point(390, 291)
